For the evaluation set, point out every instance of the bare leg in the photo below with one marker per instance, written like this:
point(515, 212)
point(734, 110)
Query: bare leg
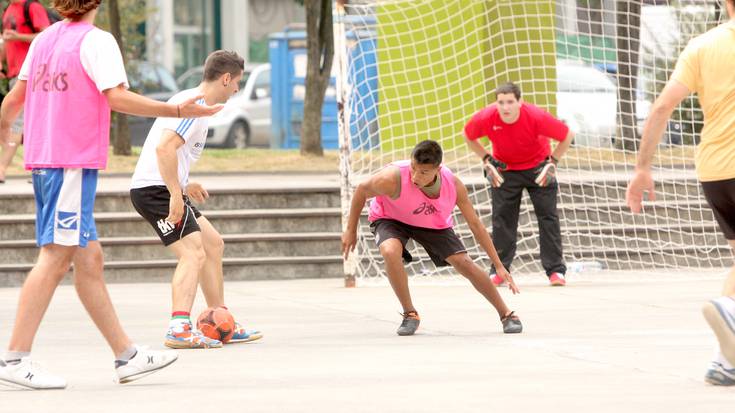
point(391, 250)
point(717, 312)
point(90, 284)
point(729, 287)
point(35, 296)
point(190, 253)
point(211, 277)
point(480, 280)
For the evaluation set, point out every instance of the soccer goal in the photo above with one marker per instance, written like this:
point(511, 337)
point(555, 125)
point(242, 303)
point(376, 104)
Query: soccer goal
point(412, 70)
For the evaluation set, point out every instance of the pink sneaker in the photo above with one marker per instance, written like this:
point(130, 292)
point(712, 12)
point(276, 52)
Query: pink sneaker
point(557, 279)
point(497, 280)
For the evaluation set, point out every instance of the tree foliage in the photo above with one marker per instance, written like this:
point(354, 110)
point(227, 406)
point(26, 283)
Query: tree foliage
point(124, 19)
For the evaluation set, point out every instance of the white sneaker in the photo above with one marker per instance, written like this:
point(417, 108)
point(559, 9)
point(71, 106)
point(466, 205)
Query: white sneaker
point(144, 363)
point(29, 375)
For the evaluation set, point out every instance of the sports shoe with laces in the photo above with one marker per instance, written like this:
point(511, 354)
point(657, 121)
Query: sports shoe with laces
point(242, 335)
point(511, 323)
point(409, 324)
point(190, 339)
point(28, 374)
point(721, 318)
point(144, 362)
point(718, 375)
point(557, 279)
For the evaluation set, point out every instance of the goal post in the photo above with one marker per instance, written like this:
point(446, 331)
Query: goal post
point(415, 70)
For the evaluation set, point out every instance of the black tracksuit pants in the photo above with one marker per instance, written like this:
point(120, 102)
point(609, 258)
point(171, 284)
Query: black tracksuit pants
point(506, 201)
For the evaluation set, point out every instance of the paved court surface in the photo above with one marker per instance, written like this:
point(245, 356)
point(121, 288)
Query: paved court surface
point(603, 345)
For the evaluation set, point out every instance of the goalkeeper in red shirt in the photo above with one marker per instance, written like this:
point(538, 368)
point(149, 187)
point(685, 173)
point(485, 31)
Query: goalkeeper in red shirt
point(521, 159)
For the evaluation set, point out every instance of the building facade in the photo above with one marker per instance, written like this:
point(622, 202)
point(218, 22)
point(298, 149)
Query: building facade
point(181, 33)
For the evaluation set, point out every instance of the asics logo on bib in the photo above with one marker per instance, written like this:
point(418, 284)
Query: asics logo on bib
point(50, 82)
point(425, 208)
point(165, 227)
point(67, 220)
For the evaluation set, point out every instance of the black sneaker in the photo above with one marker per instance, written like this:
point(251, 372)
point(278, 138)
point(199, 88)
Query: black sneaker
point(409, 324)
point(511, 323)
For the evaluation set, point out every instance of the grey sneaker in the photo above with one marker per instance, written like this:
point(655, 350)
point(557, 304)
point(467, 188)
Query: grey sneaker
point(409, 324)
point(511, 323)
point(718, 375)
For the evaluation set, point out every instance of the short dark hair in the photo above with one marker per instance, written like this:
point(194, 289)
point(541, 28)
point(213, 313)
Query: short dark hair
point(220, 62)
point(508, 87)
point(427, 152)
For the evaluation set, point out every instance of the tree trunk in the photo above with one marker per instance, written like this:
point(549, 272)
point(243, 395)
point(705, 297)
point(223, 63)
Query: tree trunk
point(628, 22)
point(320, 53)
point(121, 143)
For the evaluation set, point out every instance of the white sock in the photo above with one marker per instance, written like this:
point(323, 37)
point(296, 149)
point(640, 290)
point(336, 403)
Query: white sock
point(177, 324)
point(129, 353)
point(719, 358)
point(13, 357)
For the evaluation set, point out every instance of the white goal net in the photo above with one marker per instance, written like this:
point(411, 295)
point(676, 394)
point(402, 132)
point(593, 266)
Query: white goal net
point(412, 70)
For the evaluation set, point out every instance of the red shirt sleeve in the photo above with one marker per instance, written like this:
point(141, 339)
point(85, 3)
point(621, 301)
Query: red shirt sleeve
point(479, 125)
point(39, 18)
point(550, 126)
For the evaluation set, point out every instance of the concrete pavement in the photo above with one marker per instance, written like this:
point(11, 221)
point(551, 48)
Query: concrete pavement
point(624, 343)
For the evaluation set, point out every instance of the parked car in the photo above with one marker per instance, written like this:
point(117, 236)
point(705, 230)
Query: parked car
point(587, 100)
point(246, 118)
point(154, 82)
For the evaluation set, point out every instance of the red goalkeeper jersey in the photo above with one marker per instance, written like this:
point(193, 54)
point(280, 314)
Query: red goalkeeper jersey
point(522, 144)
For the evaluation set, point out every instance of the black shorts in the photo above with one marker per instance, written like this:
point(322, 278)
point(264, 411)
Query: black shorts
point(152, 203)
point(720, 196)
point(438, 243)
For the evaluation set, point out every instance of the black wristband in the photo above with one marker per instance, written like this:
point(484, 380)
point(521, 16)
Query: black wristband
point(554, 160)
point(486, 157)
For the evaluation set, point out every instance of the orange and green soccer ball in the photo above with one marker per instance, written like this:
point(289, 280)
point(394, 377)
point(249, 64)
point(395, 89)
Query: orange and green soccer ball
point(216, 323)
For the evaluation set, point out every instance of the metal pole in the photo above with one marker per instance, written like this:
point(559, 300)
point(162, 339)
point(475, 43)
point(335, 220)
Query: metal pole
point(340, 51)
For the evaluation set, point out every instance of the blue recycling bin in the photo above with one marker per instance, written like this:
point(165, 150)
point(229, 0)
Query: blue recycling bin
point(288, 76)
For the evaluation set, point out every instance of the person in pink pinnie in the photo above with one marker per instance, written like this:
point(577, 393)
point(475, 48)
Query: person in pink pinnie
point(72, 77)
point(414, 199)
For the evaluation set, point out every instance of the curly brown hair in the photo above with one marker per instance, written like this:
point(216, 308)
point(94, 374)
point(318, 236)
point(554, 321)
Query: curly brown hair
point(74, 9)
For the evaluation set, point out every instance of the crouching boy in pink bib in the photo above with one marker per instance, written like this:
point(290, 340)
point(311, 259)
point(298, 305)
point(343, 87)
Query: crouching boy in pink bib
point(414, 200)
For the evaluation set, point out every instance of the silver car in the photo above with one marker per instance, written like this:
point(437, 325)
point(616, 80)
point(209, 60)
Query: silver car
point(246, 118)
point(586, 100)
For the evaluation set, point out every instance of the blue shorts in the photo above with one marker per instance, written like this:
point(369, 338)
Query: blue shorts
point(64, 206)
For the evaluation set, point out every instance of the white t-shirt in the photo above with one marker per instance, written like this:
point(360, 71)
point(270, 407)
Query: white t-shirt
point(100, 56)
point(192, 131)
